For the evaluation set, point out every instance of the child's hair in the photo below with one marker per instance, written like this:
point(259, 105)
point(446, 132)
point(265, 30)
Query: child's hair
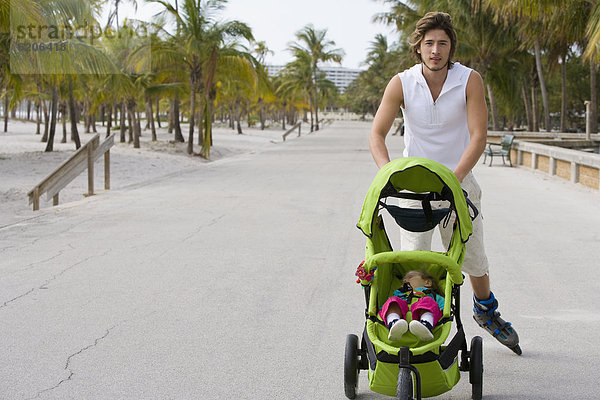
point(425, 276)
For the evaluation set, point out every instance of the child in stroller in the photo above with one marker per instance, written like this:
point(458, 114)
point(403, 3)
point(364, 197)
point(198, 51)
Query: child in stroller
point(426, 310)
point(435, 365)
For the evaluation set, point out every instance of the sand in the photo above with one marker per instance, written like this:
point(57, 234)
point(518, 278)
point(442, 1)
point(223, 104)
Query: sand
point(23, 162)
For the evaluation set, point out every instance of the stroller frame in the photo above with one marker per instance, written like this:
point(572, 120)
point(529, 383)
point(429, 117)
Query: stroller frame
point(434, 365)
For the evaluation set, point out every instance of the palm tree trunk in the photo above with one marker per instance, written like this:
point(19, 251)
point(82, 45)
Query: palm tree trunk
point(261, 114)
point(72, 113)
point(46, 121)
point(38, 120)
point(527, 107)
point(93, 122)
point(316, 106)
point(208, 88)
point(170, 116)
point(129, 123)
point(190, 145)
point(109, 119)
point(150, 117)
point(534, 109)
point(62, 109)
point(176, 123)
point(122, 121)
point(54, 107)
point(86, 117)
point(158, 112)
point(211, 111)
point(200, 123)
point(283, 115)
point(315, 96)
point(538, 64)
point(563, 96)
point(5, 111)
point(207, 143)
point(494, 109)
point(138, 119)
point(238, 116)
point(135, 123)
point(594, 98)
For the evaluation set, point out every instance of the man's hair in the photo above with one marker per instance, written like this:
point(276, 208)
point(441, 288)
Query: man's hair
point(433, 20)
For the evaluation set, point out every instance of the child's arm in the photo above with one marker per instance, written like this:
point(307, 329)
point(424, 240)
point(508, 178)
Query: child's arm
point(441, 301)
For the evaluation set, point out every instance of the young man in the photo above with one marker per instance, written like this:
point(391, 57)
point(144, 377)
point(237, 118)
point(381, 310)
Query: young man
point(445, 117)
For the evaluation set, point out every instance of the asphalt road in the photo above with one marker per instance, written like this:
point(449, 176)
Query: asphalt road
point(235, 281)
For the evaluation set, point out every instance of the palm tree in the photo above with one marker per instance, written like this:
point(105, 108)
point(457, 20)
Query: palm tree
point(264, 87)
point(482, 41)
point(529, 15)
point(199, 45)
point(77, 55)
point(297, 83)
point(313, 42)
point(383, 61)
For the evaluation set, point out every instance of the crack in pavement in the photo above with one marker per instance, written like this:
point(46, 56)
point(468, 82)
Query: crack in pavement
point(201, 227)
point(68, 363)
point(33, 264)
point(50, 280)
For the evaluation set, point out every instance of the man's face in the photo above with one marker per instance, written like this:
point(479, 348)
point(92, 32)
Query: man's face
point(435, 49)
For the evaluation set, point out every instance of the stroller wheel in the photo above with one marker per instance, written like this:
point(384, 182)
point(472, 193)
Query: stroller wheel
point(351, 366)
point(476, 367)
point(404, 390)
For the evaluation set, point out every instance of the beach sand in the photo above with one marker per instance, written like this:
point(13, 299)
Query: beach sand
point(23, 162)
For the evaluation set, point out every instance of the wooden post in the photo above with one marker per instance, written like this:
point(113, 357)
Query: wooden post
point(107, 170)
point(55, 199)
point(90, 162)
point(36, 198)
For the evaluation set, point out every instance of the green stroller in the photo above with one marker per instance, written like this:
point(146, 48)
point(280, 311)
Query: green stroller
point(391, 365)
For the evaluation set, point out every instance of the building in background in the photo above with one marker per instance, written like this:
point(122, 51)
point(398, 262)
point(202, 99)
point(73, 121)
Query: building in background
point(340, 76)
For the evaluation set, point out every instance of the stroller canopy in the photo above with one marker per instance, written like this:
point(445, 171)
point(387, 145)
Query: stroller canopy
point(418, 175)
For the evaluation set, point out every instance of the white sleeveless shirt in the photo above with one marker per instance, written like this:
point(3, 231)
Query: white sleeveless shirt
point(438, 129)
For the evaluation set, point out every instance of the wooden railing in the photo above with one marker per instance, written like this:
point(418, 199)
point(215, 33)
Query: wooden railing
point(298, 125)
point(71, 168)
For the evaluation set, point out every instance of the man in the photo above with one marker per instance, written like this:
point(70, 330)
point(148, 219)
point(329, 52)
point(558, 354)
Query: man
point(445, 117)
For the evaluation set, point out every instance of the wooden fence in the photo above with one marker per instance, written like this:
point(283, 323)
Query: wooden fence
point(71, 168)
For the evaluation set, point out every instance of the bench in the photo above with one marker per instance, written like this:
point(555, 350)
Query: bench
point(502, 149)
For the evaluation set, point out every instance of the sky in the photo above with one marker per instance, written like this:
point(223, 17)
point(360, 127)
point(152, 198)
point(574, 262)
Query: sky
point(348, 23)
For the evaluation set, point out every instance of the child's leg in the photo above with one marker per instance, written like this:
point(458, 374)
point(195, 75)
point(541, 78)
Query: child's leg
point(393, 314)
point(423, 305)
point(393, 305)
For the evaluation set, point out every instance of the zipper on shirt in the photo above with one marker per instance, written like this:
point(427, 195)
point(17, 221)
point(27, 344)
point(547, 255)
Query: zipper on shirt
point(434, 120)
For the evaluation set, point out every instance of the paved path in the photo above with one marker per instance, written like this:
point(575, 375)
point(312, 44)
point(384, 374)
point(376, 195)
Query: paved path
point(235, 281)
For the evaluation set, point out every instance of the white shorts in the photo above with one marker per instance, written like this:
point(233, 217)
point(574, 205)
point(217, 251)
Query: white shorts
point(475, 262)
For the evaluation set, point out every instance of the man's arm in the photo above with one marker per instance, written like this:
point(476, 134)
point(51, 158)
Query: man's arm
point(477, 119)
point(384, 118)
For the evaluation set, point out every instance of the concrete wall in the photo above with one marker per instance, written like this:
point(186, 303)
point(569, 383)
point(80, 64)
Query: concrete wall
point(576, 166)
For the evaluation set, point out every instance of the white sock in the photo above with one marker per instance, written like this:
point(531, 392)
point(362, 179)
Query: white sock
point(427, 316)
point(392, 316)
